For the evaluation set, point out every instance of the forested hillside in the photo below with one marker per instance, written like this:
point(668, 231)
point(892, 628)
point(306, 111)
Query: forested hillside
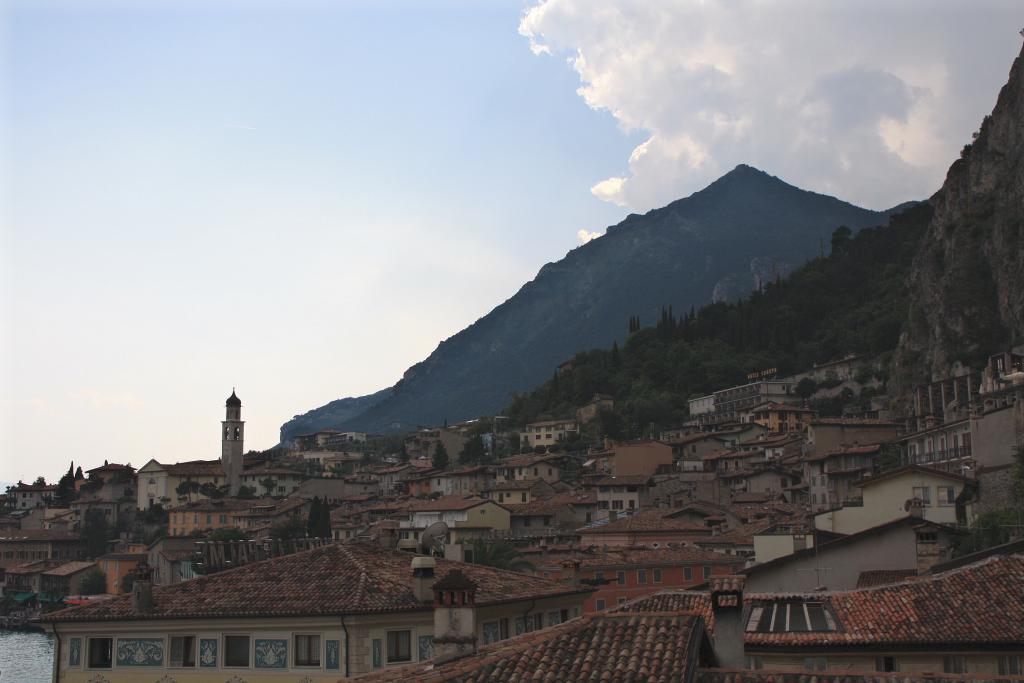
point(852, 301)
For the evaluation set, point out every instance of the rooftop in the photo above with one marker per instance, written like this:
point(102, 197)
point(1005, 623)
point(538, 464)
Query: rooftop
point(606, 647)
point(652, 520)
point(446, 503)
point(342, 578)
point(979, 605)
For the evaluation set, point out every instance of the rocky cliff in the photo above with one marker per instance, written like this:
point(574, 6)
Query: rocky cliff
point(747, 227)
point(967, 282)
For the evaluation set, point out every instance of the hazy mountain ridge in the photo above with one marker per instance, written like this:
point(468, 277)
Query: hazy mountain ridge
point(730, 232)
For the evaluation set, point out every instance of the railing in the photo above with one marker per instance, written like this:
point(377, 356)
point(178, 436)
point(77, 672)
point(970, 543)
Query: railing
point(213, 556)
point(941, 455)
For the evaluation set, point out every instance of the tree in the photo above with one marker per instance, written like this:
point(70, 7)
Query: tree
point(211, 490)
point(78, 474)
point(40, 481)
point(473, 451)
point(94, 582)
point(319, 522)
point(609, 424)
point(403, 453)
point(66, 488)
point(187, 488)
point(841, 240)
point(440, 459)
point(269, 484)
point(95, 532)
point(313, 520)
point(293, 527)
point(500, 554)
point(806, 387)
point(246, 492)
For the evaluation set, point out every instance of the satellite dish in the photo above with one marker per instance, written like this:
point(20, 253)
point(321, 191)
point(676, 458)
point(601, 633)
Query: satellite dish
point(433, 539)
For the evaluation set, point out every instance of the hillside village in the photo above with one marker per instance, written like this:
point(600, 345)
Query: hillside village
point(754, 494)
point(777, 532)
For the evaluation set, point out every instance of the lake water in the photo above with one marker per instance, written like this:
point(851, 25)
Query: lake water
point(25, 657)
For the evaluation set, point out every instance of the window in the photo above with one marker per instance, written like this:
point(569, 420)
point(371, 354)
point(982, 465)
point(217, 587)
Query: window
point(307, 650)
point(522, 496)
point(754, 662)
point(947, 495)
point(632, 504)
point(538, 621)
point(600, 605)
point(954, 664)
point(641, 576)
point(101, 653)
point(621, 578)
point(599, 577)
point(622, 601)
point(706, 572)
point(789, 617)
point(657, 576)
point(183, 651)
point(688, 573)
point(1009, 665)
point(887, 664)
point(399, 646)
point(236, 650)
point(924, 493)
point(815, 663)
point(616, 505)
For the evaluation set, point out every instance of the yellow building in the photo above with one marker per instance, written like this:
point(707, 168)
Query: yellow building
point(206, 515)
point(782, 418)
point(334, 612)
point(465, 517)
point(548, 432)
point(888, 496)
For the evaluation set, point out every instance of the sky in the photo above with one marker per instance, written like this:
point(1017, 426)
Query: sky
point(302, 199)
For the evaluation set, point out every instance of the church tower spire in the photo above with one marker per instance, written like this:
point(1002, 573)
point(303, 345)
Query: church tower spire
point(232, 438)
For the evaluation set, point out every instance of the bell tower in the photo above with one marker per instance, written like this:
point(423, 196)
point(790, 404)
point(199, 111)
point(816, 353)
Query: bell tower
point(232, 435)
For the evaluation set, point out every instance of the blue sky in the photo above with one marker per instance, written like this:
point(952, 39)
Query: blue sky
point(299, 203)
point(302, 199)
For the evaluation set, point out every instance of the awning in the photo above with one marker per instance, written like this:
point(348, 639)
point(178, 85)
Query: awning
point(22, 597)
point(51, 597)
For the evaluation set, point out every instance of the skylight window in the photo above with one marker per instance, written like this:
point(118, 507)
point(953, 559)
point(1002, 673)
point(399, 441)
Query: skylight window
point(792, 616)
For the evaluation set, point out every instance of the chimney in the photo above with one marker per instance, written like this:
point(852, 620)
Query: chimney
point(929, 551)
point(422, 578)
point(571, 572)
point(454, 617)
point(727, 608)
point(142, 589)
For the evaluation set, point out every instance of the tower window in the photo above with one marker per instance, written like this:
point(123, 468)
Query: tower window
point(238, 433)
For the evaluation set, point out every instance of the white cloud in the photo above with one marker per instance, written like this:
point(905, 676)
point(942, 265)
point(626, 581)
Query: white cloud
point(586, 235)
point(870, 101)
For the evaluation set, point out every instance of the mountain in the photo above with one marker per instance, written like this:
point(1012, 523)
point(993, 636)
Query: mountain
point(853, 301)
point(967, 282)
point(743, 230)
point(334, 414)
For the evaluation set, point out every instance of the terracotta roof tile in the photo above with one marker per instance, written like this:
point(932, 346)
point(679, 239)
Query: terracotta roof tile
point(646, 520)
point(977, 605)
point(196, 468)
point(626, 648)
point(881, 577)
point(447, 503)
point(343, 578)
